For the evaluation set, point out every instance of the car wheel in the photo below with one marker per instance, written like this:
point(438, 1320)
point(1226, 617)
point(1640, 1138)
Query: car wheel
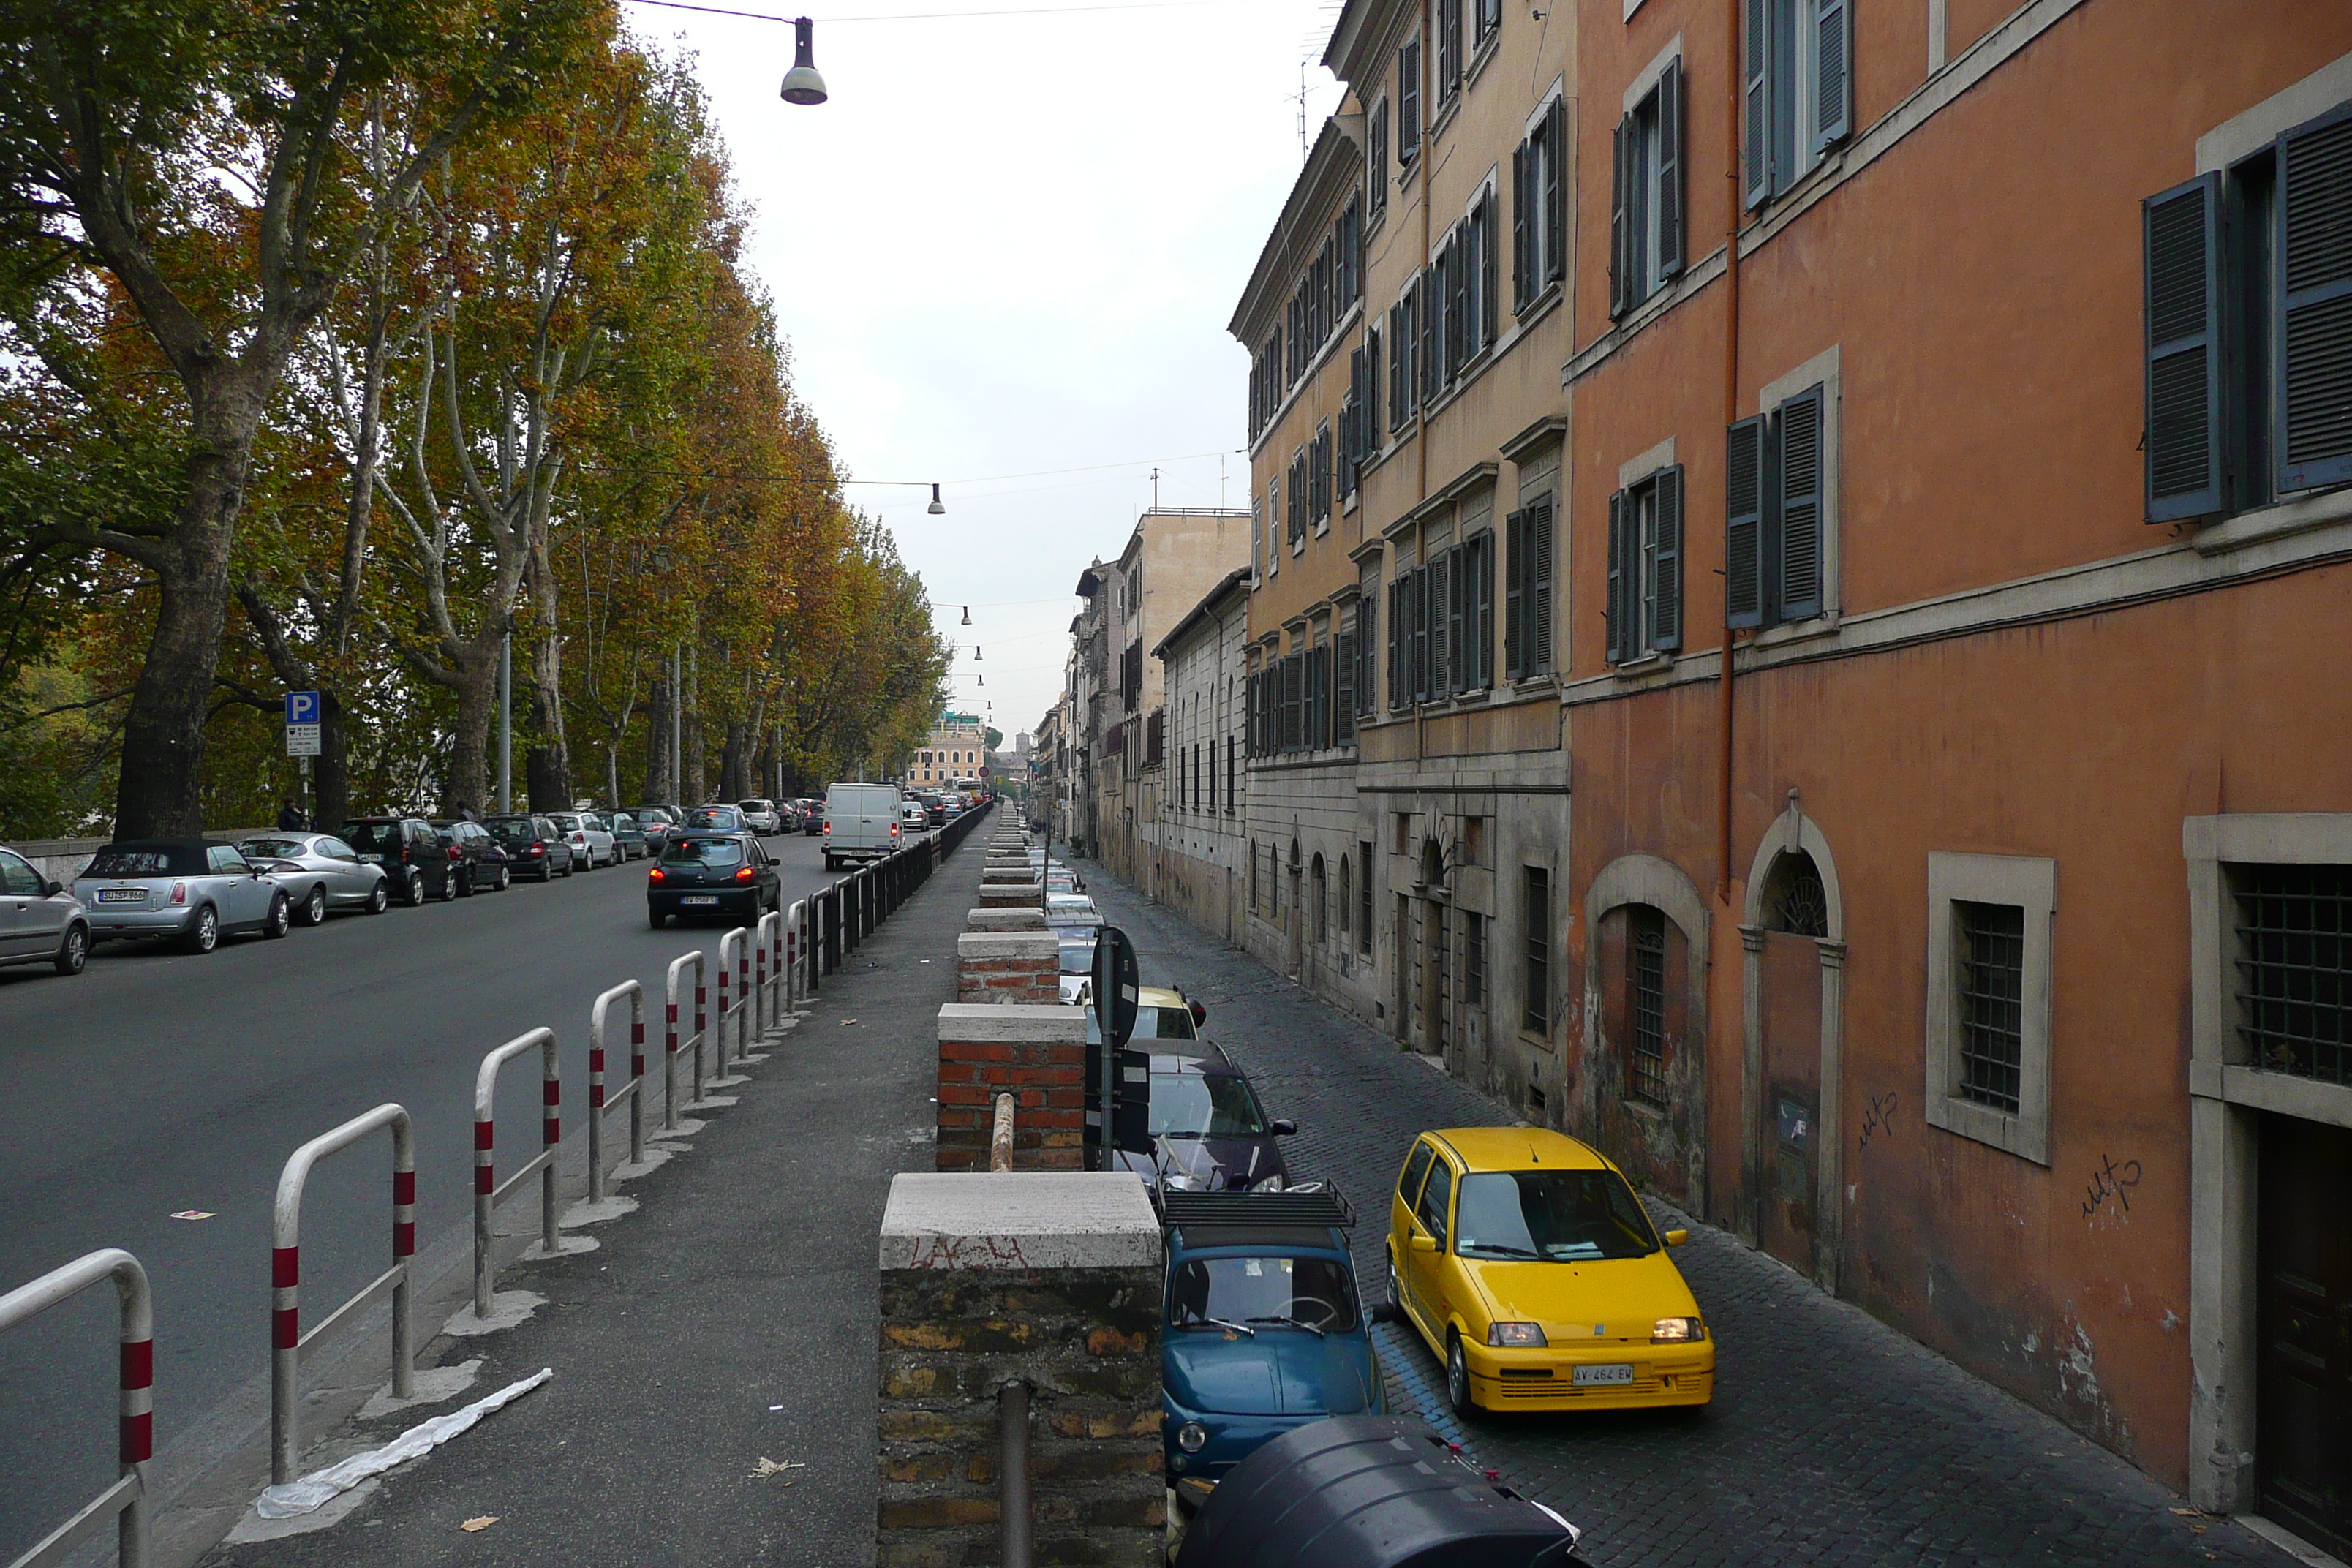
point(1396, 1297)
point(414, 893)
point(205, 935)
point(281, 917)
point(506, 878)
point(314, 907)
point(655, 918)
point(449, 887)
point(73, 953)
point(465, 881)
point(1458, 1380)
point(379, 897)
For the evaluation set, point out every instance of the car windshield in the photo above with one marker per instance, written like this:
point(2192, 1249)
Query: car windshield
point(565, 822)
point(372, 836)
point(703, 852)
point(1078, 958)
point(272, 848)
point(512, 829)
point(623, 822)
point(1205, 1105)
point(711, 817)
point(154, 861)
point(1556, 1216)
point(1259, 1293)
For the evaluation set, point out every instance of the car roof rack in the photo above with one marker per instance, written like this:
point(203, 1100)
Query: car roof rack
point(1291, 1206)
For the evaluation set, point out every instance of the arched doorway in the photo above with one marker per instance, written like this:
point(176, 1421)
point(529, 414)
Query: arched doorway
point(1435, 998)
point(1641, 1080)
point(1793, 941)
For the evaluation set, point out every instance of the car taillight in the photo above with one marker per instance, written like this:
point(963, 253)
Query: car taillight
point(453, 853)
point(655, 874)
point(743, 874)
point(894, 830)
point(179, 892)
point(828, 828)
point(540, 847)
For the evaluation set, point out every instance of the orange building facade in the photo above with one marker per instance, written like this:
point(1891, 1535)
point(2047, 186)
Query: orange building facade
point(1985, 951)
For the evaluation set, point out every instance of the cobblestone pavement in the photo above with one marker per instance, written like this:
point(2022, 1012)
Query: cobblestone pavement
point(1833, 1438)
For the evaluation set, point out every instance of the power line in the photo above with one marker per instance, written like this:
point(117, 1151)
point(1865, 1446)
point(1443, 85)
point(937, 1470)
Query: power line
point(940, 15)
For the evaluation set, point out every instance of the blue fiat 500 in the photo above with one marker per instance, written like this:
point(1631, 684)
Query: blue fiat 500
point(1264, 1330)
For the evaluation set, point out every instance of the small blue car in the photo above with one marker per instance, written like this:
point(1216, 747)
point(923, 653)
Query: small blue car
point(1265, 1329)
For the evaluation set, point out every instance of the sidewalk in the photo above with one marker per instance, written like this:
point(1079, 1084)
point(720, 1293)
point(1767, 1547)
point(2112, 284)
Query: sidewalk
point(1833, 1438)
point(729, 1321)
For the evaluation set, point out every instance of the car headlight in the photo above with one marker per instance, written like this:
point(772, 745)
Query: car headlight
point(1271, 1184)
point(1191, 1436)
point(1676, 1330)
point(1528, 1334)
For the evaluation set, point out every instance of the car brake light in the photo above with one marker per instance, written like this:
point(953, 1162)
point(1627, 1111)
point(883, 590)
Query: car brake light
point(894, 830)
point(453, 852)
point(655, 874)
point(743, 875)
point(828, 828)
point(179, 892)
point(540, 847)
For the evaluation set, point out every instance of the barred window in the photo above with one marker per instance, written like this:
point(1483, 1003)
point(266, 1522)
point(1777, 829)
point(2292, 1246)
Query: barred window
point(2295, 968)
point(1647, 1078)
point(1474, 959)
point(1535, 920)
point(1992, 990)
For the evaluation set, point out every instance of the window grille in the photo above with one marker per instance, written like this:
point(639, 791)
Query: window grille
point(1801, 905)
point(1649, 966)
point(1474, 959)
point(1991, 993)
point(2295, 968)
point(1535, 920)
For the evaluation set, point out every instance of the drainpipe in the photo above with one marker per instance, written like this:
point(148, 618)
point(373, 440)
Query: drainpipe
point(1734, 103)
point(1012, 1473)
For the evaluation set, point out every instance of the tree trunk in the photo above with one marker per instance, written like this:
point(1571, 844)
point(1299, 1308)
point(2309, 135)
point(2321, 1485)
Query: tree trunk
point(690, 773)
point(331, 800)
point(730, 763)
point(660, 776)
point(478, 700)
point(544, 778)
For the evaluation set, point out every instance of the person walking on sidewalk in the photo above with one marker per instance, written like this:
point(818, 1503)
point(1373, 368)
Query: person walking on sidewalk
point(290, 818)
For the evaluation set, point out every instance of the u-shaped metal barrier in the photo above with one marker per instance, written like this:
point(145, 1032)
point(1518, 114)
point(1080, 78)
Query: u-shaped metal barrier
point(488, 1189)
point(125, 1502)
point(634, 1094)
point(671, 1045)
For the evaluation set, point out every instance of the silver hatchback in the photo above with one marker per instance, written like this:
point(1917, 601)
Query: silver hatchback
point(39, 921)
point(319, 872)
point(182, 889)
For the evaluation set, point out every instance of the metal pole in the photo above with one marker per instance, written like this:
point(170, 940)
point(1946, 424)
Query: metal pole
point(1012, 1427)
point(677, 723)
point(506, 723)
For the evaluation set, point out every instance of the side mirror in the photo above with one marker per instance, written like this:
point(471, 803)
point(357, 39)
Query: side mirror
point(51, 890)
point(1677, 1238)
point(1284, 1127)
point(1199, 1014)
point(1421, 1243)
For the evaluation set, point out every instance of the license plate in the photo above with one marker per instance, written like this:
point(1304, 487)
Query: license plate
point(373, 859)
point(122, 895)
point(700, 899)
point(1600, 1376)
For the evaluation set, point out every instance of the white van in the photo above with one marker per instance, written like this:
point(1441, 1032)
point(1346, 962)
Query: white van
point(861, 823)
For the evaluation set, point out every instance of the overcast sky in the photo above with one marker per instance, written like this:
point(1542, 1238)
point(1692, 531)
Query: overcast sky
point(1010, 244)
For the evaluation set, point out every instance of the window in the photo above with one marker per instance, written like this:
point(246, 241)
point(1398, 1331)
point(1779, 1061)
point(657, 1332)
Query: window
point(1775, 506)
point(1294, 529)
point(1474, 959)
point(1437, 1197)
point(1409, 102)
point(1231, 794)
point(1799, 86)
point(1319, 903)
point(1319, 497)
point(1535, 976)
point(1405, 383)
point(1345, 663)
point(1449, 49)
point(1646, 215)
point(1376, 162)
point(1527, 591)
point(1359, 413)
point(1416, 1166)
point(1442, 623)
point(1366, 660)
point(2249, 327)
point(1347, 270)
point(1645, 567)
point(1253, 877)
point(1344, 904)
point(1485, 20)
point(1646, 1004)
point(1364, 899)
point(1989, 919)
point(1540, 208)
point(2293, 931)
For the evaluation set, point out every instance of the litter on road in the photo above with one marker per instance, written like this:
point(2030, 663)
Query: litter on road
point(192, 1213)
point(317, 1488)
point(771, 1468)
point(483, 1522)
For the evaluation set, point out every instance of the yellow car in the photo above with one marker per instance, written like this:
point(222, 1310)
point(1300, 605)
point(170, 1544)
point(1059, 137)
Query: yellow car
point(1534, 1272)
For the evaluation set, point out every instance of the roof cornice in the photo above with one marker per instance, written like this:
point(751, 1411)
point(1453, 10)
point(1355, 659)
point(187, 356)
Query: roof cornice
point(1334, 168)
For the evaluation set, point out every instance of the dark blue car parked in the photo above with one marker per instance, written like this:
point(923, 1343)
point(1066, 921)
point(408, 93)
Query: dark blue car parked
point(1264, 1329)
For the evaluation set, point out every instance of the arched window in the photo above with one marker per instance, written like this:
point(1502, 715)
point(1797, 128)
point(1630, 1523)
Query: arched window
point(1318, 904)
point(1794, 899)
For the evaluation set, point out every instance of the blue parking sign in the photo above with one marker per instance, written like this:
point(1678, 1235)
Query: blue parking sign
point(302, 708)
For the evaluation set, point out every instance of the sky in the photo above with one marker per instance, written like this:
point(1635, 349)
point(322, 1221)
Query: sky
point(1005, 253)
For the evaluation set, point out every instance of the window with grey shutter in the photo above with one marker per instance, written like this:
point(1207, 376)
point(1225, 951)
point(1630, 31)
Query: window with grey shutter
point(1441, 605)
point(1397, 654)
point(2314, 355)
point(1538, 607)
point(1669, 176)
point(1449, 48)
point(1409, 102)
point(1479, 614)
point(1618, 571)
point(2181, 229)
point(1490, 295)
point(1345, 662)
point(1457, 588)
point(1366, 645)
point(1427, 305)
point(1523, 266)
point(1743, 525)
point(1799, 585)
point(1664, 613)
point(1515, 550)
point(1757, 74)
point(1554, 192)
point(1620, 181)
point(1832, 72)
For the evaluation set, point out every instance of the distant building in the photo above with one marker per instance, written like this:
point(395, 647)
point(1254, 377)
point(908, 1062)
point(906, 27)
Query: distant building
point(957, 748)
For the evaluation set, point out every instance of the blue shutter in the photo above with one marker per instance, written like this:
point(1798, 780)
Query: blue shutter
point(1802, 499)
point(1670, 170)
point(1615, 614)
point(1743, 525)
point(2182, 305)
point(1515, 566)
point(1666, 565)
point(1832, 73)
point(1756, 73)
point(2313, 354)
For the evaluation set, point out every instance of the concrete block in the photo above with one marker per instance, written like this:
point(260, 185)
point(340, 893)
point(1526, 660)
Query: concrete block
point(983, 1023)
point(1026, 1220)
point(1029, 918)
point(978, 945)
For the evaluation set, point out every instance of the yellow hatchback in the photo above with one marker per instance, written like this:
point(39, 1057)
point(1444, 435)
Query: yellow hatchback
point(1534, 1272)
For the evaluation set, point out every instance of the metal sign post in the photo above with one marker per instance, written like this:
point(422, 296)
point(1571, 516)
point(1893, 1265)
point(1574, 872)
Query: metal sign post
point(1115, 979)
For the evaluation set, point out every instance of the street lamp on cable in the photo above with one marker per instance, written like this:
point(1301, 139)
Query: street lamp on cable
point(801, 84)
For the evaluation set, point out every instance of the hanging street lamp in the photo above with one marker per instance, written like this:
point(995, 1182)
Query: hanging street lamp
point(801, 84)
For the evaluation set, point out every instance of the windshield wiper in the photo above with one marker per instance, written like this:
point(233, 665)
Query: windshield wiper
point(1503, 1249)
point(1293, 1322)
point(1221, 1323)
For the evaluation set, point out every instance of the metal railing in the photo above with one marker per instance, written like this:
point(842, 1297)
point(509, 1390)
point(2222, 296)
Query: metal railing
point(289, 1346)
point(125, 1502)
point(635, 1093)
point(488, 1189)
point(735, 962)
point(670, 1043)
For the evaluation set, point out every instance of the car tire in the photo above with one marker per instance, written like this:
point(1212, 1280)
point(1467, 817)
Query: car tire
point(1396, 1296)
point(465, 881)
point(379, 897)
point(412, 894)
point(655, 918)
point(1458, 1395)
point(281, 917)
point(506, 878)
point(203, 932)
point(449, 887)
point(314, 907)
point(73, 953)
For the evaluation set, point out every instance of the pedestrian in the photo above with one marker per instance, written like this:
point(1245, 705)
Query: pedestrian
point(289, 818)
point(464, 812)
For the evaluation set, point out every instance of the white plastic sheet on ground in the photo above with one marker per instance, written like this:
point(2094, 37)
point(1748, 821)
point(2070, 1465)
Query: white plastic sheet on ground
point(317, 1488)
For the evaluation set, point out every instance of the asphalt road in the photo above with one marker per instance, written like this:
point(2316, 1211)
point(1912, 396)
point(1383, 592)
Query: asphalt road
point(158, 1083)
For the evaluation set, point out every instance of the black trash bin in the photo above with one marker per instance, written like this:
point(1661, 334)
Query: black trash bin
point(1369, 1491)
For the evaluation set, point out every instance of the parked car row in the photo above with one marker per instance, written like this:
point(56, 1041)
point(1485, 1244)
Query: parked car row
point(195, 892)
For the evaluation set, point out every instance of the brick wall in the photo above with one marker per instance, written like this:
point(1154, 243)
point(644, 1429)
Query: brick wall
point(1036, 1053)
point(1049, 1279)
point(1009, 966)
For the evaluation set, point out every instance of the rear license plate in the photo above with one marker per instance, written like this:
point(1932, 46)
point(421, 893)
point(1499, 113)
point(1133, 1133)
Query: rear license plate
point(1591, 1376)
point(700, 899)
point(373, 859)
point(122, 895)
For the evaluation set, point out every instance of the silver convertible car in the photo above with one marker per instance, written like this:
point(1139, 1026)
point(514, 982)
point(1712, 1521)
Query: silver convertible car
point(182, 889)
point(319, 872)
